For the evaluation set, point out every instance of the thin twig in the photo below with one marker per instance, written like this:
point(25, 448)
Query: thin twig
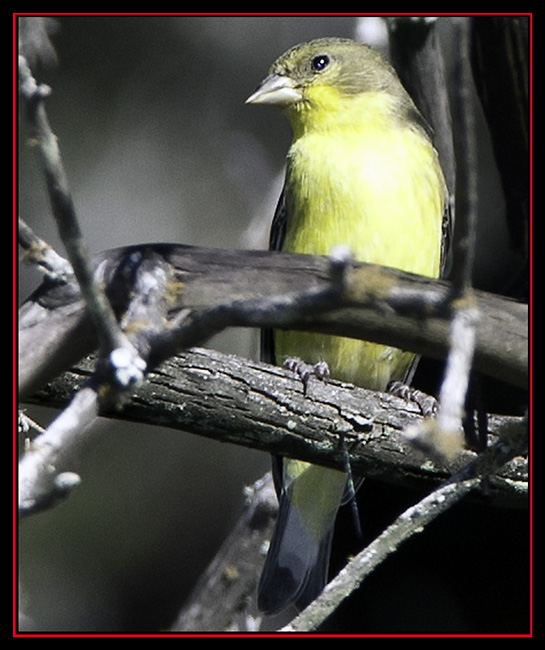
point(41, 479)
point(111, 338)
point(53, 266)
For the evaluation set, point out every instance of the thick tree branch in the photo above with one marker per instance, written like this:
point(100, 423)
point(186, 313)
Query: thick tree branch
point(213, 289)
point(261, 406)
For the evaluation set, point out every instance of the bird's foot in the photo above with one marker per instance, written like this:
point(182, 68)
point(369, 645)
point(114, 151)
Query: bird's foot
point(426, 403)
point(305, 370)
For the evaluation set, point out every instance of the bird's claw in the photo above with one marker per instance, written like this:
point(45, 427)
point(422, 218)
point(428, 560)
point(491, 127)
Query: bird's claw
point(305, 370)
point(426, 403)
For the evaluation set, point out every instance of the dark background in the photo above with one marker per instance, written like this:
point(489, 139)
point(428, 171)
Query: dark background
point(159, 146)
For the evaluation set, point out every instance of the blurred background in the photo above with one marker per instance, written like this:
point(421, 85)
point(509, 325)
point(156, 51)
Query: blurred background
point(159, 146)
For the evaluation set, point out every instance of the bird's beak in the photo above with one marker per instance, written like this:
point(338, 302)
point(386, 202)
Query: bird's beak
point(276, 90)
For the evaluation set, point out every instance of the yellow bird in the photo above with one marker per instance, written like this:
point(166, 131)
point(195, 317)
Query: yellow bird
point(361, 171)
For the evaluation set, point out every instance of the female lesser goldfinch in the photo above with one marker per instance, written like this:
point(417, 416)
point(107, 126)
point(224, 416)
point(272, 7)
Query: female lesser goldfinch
point(361, 171)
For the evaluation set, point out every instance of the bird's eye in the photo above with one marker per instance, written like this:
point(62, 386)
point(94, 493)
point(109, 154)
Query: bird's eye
point(319, 62)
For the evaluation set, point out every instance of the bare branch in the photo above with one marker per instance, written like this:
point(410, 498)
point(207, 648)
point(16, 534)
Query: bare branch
point(39, 252)
point(257, 288)
point(111, 338)
point(42, 483)
point(233, 400)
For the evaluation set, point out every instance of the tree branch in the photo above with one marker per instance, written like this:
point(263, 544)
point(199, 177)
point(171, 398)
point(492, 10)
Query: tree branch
point(233, 400)
point(41, 254)
point(213, 289)
point(120, 359)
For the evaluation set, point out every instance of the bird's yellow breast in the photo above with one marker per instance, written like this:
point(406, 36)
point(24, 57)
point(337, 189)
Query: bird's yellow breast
point(384, 197)
point(379, 190)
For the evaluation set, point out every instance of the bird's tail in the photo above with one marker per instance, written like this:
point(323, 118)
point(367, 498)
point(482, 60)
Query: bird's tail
point(296, 567)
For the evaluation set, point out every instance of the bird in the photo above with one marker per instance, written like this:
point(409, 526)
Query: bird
point(361, 171)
